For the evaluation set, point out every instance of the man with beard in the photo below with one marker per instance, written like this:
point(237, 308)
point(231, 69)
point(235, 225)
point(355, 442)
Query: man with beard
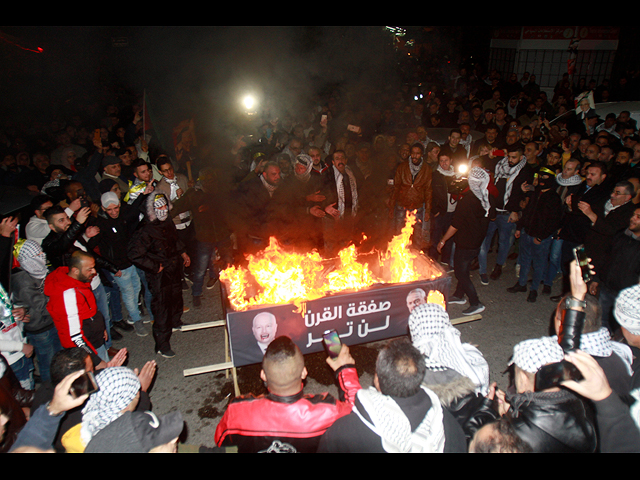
point(73, 307)
point(412, 192)
point(156, 249)
point(260, 207)
point(69, 235)
point(575, 224)
point(341, 204)
point(510, 174)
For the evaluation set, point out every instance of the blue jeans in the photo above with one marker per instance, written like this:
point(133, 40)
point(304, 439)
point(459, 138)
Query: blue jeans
point(129, 287)
point(46, 345)
point(147, 292)
point(103, 306)
point(555, 260)
point(113, 296)
point(23, 369)
point(506, 237)
point(532, 255)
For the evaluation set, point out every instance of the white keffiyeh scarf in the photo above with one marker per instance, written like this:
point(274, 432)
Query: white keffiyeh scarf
point(439, 341)
point(600, 344)
point(354, 191)
point(447, 173)
point(478, 183)
point(569, 182)
point(118, 388)
point(270, 188)
point(390, 423)
point(505, 170)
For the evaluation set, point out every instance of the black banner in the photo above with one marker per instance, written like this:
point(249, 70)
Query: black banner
point(378, 313)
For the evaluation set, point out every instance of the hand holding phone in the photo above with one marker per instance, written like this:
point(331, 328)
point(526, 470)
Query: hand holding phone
point(84, 385)
point(332, 343)
point(582, 261)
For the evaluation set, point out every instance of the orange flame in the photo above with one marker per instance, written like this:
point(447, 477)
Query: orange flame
point(288, 277)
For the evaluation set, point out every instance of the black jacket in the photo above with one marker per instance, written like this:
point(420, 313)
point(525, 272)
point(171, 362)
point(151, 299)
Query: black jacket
point(542, 216)
point(59, 246)
point(575, 224)
point(553, 422)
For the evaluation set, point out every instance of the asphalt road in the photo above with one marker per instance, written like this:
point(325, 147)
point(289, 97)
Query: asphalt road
point(507, 320)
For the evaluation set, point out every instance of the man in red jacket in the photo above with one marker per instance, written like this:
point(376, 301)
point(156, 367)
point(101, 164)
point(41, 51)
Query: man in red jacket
point(287, 420)
point(72, 306)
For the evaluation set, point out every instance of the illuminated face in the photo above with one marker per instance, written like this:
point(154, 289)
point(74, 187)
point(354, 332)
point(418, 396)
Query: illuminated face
point(87, 270)
point(340, 161)
point(316, 156)
point(594, 176)
point(514, 158)
point(167, 171)
point(264, 328)
point(553, 158)
point(60, 223)
point(144, 173)
point(445, 162)
point(113, 170)
point(405, 151)
point(416, 155)
point(454, 139)
point(113, 210)
point(570, 169)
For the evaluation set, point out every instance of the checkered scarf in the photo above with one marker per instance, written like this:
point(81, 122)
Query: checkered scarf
point(478, 183)
point(33, 260)
point(505, 170)
point(439, 341)
point(118, 387)
point(390, 423)
point(530, 355)
point(627, 309)
point(354, 191)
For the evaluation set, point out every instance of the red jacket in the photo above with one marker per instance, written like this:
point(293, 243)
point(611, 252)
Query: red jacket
point(73, 308)
point(269, 423)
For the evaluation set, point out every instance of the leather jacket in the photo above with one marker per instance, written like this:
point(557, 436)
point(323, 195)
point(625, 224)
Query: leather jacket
point(411, 193)
point(553, 422)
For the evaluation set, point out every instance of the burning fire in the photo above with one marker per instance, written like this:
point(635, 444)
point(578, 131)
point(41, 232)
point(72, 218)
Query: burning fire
point(275, 277)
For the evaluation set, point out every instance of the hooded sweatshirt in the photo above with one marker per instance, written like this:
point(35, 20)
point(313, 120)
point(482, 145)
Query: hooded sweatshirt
point(73, 308)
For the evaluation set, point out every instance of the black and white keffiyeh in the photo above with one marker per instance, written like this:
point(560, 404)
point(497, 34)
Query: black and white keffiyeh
point(33, 259)
point(118, 388)
point(390, 423)
point(600, 344)
point(415, 169)
point(307, 162)
point(627, 309)
point(532, 354)
point(270, 188)
point(478, 183)
point(439, 341)
point(568, 182)
point(354, 190)
point(505, 170)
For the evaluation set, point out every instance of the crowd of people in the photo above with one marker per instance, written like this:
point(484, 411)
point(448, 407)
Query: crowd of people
point(117, 220)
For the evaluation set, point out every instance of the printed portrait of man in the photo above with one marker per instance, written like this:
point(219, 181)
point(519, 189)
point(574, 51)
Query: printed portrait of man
point(416, 297)
point(264, 329)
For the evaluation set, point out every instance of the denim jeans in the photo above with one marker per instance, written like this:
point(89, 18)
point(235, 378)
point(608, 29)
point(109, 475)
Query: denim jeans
point(46, 345)
point(147, 292)
point(23, 369)
point(129, 286)
point(532, 255)
point(555, 260)
point(462, 262)
point(204, 252)
point(113, 296)
point(103, 306)
point(506, 237)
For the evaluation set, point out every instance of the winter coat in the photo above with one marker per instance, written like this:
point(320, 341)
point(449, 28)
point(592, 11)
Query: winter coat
point(73, 308)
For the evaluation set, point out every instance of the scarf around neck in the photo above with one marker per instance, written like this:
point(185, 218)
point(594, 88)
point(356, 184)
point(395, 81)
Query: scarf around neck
point(354, 191)
point(390, 423)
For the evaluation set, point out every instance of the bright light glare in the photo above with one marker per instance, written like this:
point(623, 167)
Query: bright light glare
point(249, 102)
point(462, 169)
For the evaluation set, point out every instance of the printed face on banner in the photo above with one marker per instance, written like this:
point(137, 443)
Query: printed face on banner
point(362, 317)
